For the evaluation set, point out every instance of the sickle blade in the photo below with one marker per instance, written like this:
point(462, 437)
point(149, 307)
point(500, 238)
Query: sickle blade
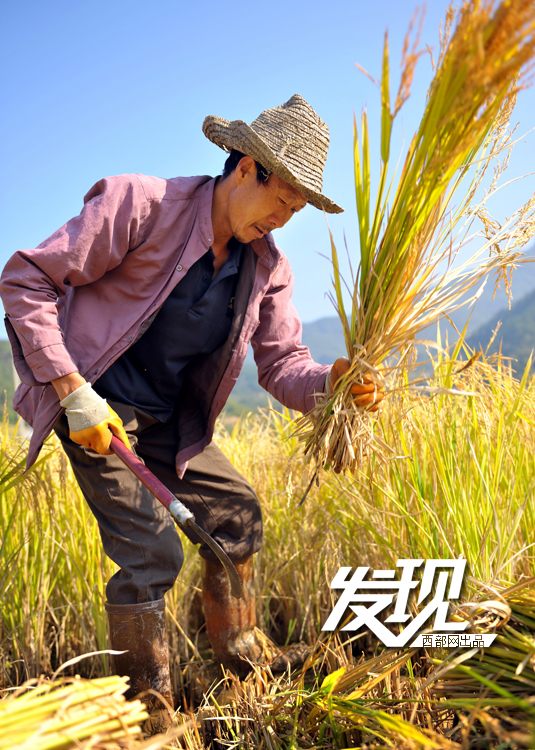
point(236, 588)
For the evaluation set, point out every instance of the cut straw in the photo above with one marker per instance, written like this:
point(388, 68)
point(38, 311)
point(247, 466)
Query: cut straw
point(406, 240)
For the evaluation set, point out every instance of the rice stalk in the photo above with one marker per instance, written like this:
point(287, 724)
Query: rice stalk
point(401, 288)
point(61, 714)
point(512, 655)
point(496, 684)
point(345, 709)
point(467, 489)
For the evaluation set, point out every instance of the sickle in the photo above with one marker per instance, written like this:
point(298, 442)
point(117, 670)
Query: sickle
point(183, 517)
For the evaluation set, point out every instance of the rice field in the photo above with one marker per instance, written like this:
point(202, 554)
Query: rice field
point(461, 483)
point(456, 479)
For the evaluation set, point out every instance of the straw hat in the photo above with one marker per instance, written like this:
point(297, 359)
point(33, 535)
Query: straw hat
point(291, 141)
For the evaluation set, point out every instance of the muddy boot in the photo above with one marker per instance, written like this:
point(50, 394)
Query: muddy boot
point(231, 623)
point(140, 630)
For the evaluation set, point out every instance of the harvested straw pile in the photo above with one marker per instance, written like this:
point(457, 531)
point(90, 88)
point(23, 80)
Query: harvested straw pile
point(485, 58)
point(495, 686)
point(72, 713)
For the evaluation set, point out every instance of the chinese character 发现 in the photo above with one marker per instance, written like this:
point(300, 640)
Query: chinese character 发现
point(367, 606)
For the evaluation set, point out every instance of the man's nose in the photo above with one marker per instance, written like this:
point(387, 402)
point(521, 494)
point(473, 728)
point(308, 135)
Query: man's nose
point(280, 218)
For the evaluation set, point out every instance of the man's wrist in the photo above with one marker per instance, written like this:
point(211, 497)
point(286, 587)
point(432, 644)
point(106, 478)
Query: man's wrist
point(65, 385)
point(84, 408)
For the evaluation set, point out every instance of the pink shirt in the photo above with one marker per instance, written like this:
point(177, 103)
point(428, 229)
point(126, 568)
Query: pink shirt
point(78, 300)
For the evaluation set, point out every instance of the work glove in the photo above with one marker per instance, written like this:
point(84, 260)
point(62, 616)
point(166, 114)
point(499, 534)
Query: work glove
point(367, 394)
point(92, 421)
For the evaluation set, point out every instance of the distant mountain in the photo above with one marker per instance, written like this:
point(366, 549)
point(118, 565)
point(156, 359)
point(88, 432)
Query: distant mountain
point(516, 335)
point(247, 394)
point(486, 308)
point(325, 339)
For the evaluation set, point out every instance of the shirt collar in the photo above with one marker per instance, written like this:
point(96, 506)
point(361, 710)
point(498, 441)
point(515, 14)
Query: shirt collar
point(232, 263)
point(204, 211)
point(234, 259)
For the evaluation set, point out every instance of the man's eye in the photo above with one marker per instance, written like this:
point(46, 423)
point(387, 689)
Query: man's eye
point(283, 202)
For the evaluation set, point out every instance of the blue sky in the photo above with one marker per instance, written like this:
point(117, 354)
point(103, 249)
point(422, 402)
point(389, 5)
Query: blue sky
point(90, 89)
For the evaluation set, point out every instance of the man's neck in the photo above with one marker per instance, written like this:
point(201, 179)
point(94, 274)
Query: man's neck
point(220, 220)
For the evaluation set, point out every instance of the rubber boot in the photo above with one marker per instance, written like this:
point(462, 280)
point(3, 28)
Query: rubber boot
point(140, 630)
point(231, 623)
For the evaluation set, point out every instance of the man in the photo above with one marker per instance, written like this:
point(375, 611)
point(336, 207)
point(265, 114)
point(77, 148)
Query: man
point(134, 319)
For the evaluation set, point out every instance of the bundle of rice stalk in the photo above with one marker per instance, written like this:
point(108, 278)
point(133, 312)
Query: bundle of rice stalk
point(497, 682)
point(510, 661)
point(486, 55)
point(61, 714)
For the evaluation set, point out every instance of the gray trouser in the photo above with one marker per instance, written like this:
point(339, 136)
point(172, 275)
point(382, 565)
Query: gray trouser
point(137, 532)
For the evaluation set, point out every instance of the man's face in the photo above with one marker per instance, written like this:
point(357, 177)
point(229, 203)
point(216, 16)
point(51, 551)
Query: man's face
point(255, 208)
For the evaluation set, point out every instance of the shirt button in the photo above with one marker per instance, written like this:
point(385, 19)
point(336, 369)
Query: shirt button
point(179, 267)
point(129, 339)
point(205, 279)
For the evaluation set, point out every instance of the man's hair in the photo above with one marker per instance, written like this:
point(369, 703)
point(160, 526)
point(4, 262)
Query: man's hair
point(262, 175)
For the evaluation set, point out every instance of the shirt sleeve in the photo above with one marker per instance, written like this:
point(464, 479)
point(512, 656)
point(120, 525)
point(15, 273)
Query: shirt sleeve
point(285, 367)
point(82, 251)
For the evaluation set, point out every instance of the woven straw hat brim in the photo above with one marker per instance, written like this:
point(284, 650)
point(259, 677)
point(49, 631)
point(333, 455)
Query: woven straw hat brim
point(238, 135)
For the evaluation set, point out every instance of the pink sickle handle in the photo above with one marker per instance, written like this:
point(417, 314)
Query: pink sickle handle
point(180, 513)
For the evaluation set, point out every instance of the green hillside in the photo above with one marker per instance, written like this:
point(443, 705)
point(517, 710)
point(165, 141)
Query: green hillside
point(325, 340)
point(247, 394)
point(492, 304)
point(516, 335)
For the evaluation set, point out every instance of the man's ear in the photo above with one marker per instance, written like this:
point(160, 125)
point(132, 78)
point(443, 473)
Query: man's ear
point(245, 168)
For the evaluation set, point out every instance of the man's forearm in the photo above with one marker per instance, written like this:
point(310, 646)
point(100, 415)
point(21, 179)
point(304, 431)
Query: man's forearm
point(67, 384)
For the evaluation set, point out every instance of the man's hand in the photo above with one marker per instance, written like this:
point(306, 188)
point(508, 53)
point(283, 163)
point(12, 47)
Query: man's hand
point(99, 437)
point(367, 394)
point(92, 422)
